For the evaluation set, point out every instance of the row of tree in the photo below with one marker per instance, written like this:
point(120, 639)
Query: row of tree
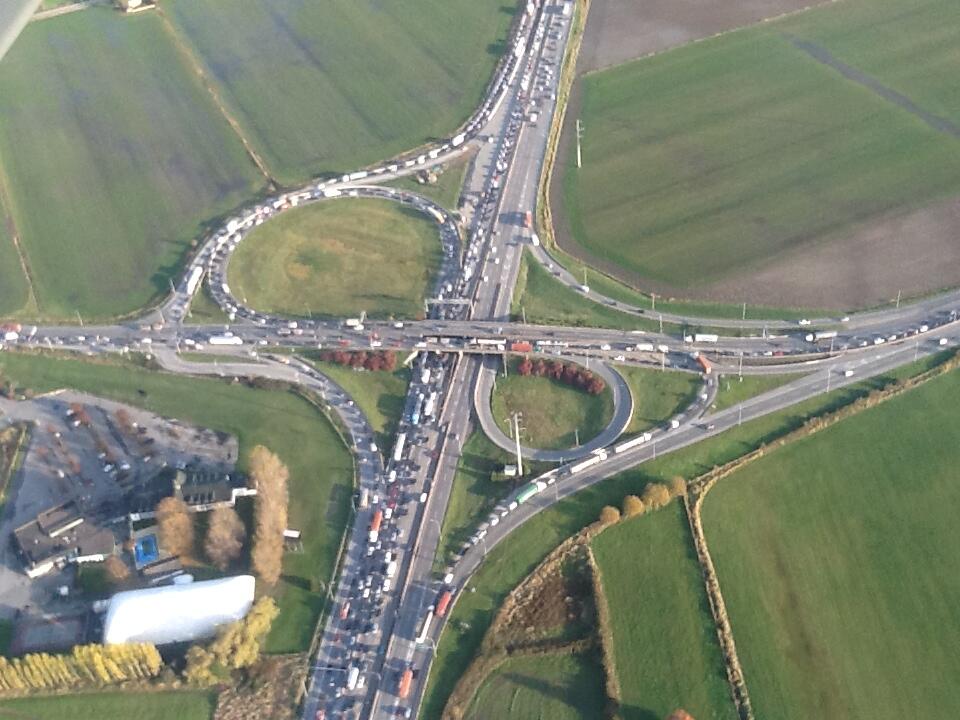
point(374, 361)
point(236, 646)
point(654, 496)
point(85, 666)
point(567, 373)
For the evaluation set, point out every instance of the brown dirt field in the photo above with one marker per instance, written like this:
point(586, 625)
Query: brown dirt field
point(621, 30)
point(862, 269)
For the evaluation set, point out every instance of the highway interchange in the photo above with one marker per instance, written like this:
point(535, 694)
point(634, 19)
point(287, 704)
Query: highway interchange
point(388, 583)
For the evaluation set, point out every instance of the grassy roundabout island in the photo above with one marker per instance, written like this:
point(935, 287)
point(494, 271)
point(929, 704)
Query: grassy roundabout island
point(339, 258)
point(552, 411)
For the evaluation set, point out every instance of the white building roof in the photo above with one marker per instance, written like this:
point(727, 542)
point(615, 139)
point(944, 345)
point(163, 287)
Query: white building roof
point(177, 613)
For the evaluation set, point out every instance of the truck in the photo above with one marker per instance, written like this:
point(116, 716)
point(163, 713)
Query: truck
point(430, 405)
point(425, 628)
point(403, 687)
point(705, 337)
point(534, 239)
point(224, 340)
point(523, 346)
point(364, 498)
point(584, 464)
point(704, 364)
point(818, 336)
point(643, 347)
point(193, 279)
point(528, 220)
point(443, 602)
point(352, 676)
point(425, 376)
point(391, 569)
point(352, 322)
point(375, 523)
point(528, 491)
point(458, 139)
point(358, 175)
point(398, 448)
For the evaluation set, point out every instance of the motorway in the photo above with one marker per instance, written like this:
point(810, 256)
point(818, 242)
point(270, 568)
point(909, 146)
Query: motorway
point(390, 578)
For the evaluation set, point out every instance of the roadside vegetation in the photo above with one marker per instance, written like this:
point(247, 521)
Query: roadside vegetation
point(446, 190)
point(110, 176)
point(838, 559)
point(554, 414)
point(339, 258)
point(657, 395)
point(326, 87)
point(732, 390)
point(13, 283)
point(203, 310)
point(507, 564)
point(321, 469)
point(664, 643)
point(380, 395)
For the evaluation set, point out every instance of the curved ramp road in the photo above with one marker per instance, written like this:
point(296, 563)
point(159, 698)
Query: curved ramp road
point(622, 412)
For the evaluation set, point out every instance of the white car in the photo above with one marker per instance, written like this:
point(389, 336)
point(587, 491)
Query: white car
point(804, 321)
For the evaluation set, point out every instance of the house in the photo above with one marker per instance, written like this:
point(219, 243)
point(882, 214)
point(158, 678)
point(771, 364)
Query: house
point(201, 490)
point(61, 535)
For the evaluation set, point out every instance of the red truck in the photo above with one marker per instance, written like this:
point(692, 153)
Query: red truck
point(443, 602)
point(406, 679)
point(520, 346)
point(528, 220)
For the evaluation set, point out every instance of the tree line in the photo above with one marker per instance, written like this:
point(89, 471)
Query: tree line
point(375, 361)
point(85, 666)
point(567, 373)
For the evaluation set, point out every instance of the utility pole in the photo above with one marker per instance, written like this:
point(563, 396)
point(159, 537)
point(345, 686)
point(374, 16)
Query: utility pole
point(576, 434)
point(523, 313)
point(579, 135)
point(653, 301)
point(740, 369)
point(744, 316)
point(898, 298)
point(516, 437)
point(79, 318)
point(660, 316)
point(506, 373)
point(663, 362)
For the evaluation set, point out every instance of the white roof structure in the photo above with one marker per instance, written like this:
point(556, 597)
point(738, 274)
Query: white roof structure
point(177, 613)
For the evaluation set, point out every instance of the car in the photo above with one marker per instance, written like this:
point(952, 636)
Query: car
point(803, 322)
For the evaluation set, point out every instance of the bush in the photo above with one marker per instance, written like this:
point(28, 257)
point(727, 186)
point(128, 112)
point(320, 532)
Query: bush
point(656, 495)
point(633, 506)
point(609, 515)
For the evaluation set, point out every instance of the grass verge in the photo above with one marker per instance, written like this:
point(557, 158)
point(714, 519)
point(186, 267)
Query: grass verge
point(657, 396)
point(184, 705)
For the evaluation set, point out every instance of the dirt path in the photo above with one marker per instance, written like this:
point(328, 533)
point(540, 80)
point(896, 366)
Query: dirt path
point(197, 66)
point(822, 55)
point(7, 219)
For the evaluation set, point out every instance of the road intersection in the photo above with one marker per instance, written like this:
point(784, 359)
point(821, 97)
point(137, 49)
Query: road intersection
point(378, 621)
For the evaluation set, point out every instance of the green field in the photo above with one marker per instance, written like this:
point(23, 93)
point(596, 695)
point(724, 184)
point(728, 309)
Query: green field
point(328, 86)
point(734, 150)
point(508, 563)
point(203, 309)
point(183, 705)
point(657, 396)
point(839, 559)
point(111, 167)
point(446, 191)
point(554, 687)
point(380, 395)
point(648, 569)
point(552, 413)
point(732, 390)
point(339, 258)
point(321, 468)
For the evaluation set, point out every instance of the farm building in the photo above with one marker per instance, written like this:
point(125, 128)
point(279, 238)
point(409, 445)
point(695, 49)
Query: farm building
point(58, 536)
point(177, 613)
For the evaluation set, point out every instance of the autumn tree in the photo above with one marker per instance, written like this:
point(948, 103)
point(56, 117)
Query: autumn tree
point(269, 476)
point(225, 535)
point(633, 506)
point(238, 644)
point(609, 515)
point(117, 570)
point(655, 495)
point(175, 524)
point(677, 486)
point(680, 714)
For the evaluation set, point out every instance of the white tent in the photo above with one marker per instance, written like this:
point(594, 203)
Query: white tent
point(177, 613)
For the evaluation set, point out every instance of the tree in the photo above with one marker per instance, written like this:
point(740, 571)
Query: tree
point(117, 570)
point(677, 486)
point(197, 671)
point(525, 367)
point(609, 515)
point(175, 524)
point(225, 535)
point(680, 714)
point(633, 506)
point(269, 476)
point(656, 495)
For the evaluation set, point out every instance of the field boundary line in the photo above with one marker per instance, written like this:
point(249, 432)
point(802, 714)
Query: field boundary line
point(194, 62)
point(66, 9)
point(6, 216)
